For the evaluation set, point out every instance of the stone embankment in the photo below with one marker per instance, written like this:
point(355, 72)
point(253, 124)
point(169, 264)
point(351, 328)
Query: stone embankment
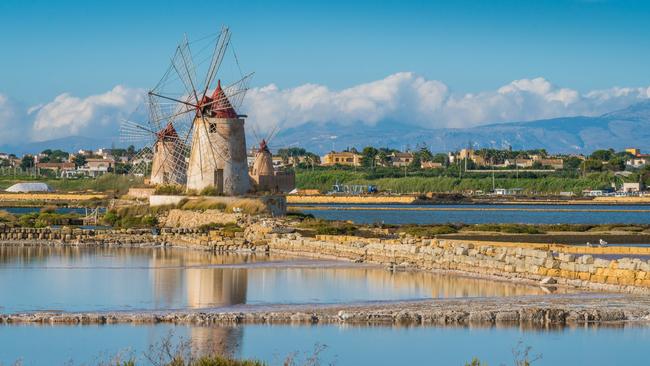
point(548, 263)
point(551, 264)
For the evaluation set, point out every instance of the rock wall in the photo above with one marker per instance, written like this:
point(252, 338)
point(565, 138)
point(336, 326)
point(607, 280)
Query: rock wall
point(492, 259)
point(550, 264)
point(193, 219)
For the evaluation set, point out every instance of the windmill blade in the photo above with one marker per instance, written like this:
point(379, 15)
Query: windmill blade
point(217, 57)
point(188, 75)
point(134, 132)
point(236, 91)
point(140, 162)
point(168, 164)
point(271, 134)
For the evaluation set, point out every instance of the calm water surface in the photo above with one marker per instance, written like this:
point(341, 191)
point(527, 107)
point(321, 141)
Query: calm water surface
point(483, 214)
point(56, 345)
point(105, 279)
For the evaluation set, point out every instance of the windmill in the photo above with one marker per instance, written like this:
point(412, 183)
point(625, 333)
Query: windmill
point(203, 114)
point(263, 174)
point(162, 154)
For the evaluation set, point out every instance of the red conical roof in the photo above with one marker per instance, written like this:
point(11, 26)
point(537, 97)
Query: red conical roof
point(221, 107)
point(263, 146)
point(168, 133)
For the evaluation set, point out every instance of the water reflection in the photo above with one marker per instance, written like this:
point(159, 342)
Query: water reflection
point(105, 279)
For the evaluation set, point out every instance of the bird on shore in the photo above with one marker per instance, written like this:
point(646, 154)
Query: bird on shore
point(589, 244)
point(602, 243)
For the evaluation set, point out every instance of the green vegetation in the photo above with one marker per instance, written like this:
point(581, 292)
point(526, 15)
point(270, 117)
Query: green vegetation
point(201, 204)
point(136, 216)
point(40, 219)
point(6, 217)
point(169, 189)
point(209, 191)
point(118, 184)
point(229, 228)
point(312, 226)
point(247, 206)
point(427, 231)
point(436, 180)
point(324, 227)
point(505, 228)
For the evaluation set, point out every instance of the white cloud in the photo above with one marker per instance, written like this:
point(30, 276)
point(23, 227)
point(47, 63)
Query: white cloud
point(12, 122)
point(402, 97)
point(94, 115)
point(410, 98)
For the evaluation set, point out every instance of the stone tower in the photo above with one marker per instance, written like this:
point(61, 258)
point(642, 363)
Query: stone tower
point(167, 163)
point(218, 151)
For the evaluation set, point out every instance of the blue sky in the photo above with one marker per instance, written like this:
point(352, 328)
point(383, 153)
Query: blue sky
point(86, 47)
point(84, 64)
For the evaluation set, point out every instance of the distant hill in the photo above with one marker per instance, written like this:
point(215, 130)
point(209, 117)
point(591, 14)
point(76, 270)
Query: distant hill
point(629, 127)
point(69, 144)
point(620, 129)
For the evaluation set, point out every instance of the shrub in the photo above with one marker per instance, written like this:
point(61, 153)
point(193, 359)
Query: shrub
point(202, 204)
point(323, 227)
point(247, 206)
point(229, 227)
point(48, 209)
point(506, 228)
point(111, 218)
point(5, 216)
point(149, 220)
point(428, 231)
point(209, 191)
point(169, 189)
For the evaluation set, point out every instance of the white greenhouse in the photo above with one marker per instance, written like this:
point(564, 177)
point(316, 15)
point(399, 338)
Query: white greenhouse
point(29, 187)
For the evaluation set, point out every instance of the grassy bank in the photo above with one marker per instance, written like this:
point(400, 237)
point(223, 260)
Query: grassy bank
point(106, 183)
point(418, 182)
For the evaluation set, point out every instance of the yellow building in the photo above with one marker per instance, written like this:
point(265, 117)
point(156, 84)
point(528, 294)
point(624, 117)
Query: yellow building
point(633, 151)
point(341, 158)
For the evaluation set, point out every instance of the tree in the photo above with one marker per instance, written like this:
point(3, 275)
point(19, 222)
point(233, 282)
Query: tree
point(602, 155)
point(416, 163)
point(572, 163)
point(616, 164)
point(425, 154)
point(440, 158)
point(592, 165)
point(27, 162)
point(369, 154)
point(79, 160)
point(383, 158)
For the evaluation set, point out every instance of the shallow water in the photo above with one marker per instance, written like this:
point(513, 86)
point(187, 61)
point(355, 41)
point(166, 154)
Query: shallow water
point(105, 279)
point(482, 214)
point(346, 345)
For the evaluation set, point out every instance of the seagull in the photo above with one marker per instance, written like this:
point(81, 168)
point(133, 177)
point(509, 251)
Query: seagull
point(602, 243)
point(589, 244)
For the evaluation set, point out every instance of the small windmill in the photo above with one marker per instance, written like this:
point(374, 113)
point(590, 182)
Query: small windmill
point(162, 154)
point(204, 116)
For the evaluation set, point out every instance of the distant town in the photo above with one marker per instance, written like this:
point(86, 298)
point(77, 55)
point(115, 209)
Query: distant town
point(628, 167)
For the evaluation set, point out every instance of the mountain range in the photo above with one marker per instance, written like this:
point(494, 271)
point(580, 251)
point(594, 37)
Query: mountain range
point(628, 127)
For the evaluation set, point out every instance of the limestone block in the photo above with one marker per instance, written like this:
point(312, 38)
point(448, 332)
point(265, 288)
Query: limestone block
point(601, 263)
point(461, 251)
point(566, 257)
point(568, 266)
